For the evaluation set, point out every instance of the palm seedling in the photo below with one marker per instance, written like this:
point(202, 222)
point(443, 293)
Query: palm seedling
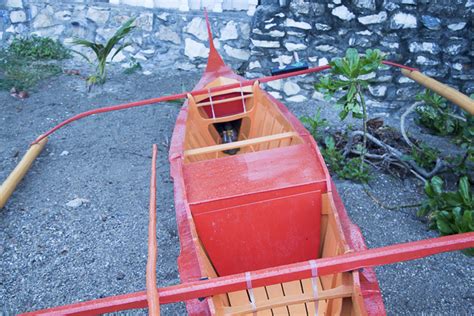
point(102, 51)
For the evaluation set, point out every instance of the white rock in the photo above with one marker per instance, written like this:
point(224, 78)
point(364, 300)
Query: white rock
point(269, 26)
point(368, 76)
point(185, 66)
point(300, 25)
point(97, 15)
point(285, 59)
point(322, 27)
point(422, 60)
point(343, 13)
point(291, 88)
point(145, 21)
point(337, 1)
point(366, 4)
point(76, 202)
point(254, 64)
point(194, 49)
point(167, 34)
point(42, 20)
point(147, 73)
point(457, 66)
point(276, 33)
point(416, 47)
point(318, 96)
point(327, 48)
point(14, 3)
point(275, 94)
point(366, 33)
point(197, 27)
point(404, 79)
point(280, 15)
point(403, 21)
point(276, 84)
point(163, 16)
point(119, 57)
point(294, 46)
point(148, 52)
point(373, 19)
point(237, 53)
point(323, 61)
point(244, 30)
point(265, 44)
point(140, 56)
point(64, 153)
point(269, 20)
point(378, 91)
point(10, 29)
point(229, 32)
point(17, 16)
point(393, 45)
point(456, 26)
point(297, 98)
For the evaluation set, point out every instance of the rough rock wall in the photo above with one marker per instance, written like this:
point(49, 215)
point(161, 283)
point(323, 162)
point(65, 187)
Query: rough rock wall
point(435, 36)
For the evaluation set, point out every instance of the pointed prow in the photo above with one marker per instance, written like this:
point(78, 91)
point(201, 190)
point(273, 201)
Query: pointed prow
point(214, 61)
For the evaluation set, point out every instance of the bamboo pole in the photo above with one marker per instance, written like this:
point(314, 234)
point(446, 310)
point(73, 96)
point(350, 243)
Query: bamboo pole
point(19, 172)
point(443, 90)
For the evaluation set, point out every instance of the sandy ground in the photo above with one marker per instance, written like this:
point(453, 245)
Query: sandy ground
point(52, 254)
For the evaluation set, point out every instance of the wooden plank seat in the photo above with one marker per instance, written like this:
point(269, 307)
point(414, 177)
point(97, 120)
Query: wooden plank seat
point(238, 144)
point(290, 298)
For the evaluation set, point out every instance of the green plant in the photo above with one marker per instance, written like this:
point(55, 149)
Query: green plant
point(435, 114)
point(450, 212)
point(315, 124)
point(38, 48)
point(133, 66)
point(26, 61)
point(424, 156)
point(347, 75)
point(102, 51)
point(344, 168)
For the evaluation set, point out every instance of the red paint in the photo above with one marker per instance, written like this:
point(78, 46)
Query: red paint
point(302, 270)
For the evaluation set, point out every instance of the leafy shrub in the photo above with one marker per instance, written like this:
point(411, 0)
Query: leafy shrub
point(38, 48)
point(315, 124)
point(449, 212)
point(424, 156)
point(102, 51)
point(28, 60)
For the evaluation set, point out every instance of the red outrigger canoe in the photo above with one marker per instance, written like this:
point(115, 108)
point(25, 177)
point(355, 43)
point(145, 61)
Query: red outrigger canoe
point(261, 226)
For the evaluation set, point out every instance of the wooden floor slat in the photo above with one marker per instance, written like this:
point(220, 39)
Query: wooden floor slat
point(294, 288)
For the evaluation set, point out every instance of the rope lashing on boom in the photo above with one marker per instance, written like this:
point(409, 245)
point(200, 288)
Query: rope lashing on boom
point(195, 93)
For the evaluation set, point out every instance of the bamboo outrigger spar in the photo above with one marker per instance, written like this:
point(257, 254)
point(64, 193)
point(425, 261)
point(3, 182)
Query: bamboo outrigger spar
point(262, 228)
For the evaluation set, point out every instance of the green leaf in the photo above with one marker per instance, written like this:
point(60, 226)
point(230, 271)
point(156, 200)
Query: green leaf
point(464, 190)
point(437, 184)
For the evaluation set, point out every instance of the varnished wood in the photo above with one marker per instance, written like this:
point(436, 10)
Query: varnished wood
point(246, 96)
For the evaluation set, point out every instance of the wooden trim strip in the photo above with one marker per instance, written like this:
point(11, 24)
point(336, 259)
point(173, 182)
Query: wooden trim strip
point(449, 93)
point(242, 143)
point(224, 100)
point(338, 292)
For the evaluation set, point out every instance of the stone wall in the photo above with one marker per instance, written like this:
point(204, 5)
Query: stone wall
point(435, 36)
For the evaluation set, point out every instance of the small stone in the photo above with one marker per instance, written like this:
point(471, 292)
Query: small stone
point(15, 3)
point(297, 98)
point(366, 33)
point(422, 60)
point(42, 20)
point(343, 13)
point(119, 57)
point(97, 15)
point(194, 49)
point(147, 73)
point(431, 22)
point(323, 61)
point(17, 16)
point(197, 27)
point(403, 21)
point(229, 32)
point(455, 49)
point(322, 27)
point(373, 19)
point(291, 88)
point(456, 26)
point(365, 4)
point(168, 35)
point(76, 202)
point(140, 56)
point(275, 94)
point(265, 44)
point(276, 33)
point(145, 21)
point(393, 45)
point(295, 47)
point(237, 53)
point(457, 66)
point(163, 16)
point(254, 64)
point(185, 66)
point(404, 79)
point(284, 59)
point(276, 84)
point(378, 91)
point(64, 153)
point(120, 276)
point(327, 48)
point(245, 31)
point(300, 25)
point(416, 47)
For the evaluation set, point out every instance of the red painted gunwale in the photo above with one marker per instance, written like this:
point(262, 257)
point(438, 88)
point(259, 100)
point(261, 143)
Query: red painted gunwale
point(189, 264)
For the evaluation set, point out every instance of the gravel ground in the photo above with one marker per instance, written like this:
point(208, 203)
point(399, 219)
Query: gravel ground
point(54, 254)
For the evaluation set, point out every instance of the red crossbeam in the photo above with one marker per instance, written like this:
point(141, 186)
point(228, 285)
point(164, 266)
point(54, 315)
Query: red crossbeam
point(285, 273)
point(194, 93)
point(151, 288)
